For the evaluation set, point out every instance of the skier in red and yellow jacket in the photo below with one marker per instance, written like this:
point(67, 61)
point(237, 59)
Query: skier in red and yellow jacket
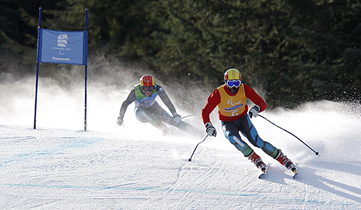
point(231, 101)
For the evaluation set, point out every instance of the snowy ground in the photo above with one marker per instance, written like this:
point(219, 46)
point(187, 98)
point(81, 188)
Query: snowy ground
point(59, 166)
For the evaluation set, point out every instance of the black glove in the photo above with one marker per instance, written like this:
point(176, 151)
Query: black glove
point(254, 111)
point(211, 131)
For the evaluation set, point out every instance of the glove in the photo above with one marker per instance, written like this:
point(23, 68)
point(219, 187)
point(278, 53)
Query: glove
point(120, 121)
point(211, 131)
point(176, 118)
point(254, 111)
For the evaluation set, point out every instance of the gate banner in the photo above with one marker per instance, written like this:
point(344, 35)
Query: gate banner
point(64, 47)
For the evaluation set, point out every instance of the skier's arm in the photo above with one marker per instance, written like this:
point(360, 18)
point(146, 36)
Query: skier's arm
point(255, 98)
point(163, 95)
point(213, 100)
point(125, 104)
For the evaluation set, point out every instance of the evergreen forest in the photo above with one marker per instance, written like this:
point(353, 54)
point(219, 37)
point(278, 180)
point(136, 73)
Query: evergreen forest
point(296, 50)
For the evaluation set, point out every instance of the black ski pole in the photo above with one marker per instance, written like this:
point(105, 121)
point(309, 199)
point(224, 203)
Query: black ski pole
point(289, 133)
point(190, 159)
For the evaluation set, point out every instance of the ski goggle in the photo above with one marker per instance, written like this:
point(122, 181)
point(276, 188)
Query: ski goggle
point(231, 83)
point(147, 88)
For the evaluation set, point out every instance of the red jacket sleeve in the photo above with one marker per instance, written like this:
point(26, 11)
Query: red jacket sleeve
point(213, 100)
point(254, 97)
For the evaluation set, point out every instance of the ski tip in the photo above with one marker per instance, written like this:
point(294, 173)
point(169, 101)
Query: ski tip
point(295, 176)
point(261, 176)
point(264, 171)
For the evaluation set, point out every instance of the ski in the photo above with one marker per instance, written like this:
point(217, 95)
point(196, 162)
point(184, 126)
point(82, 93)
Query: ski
point(263, 174)
point(295, 172)
point(295, 175)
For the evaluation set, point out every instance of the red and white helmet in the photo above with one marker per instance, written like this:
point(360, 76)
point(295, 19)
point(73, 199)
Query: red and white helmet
point(147, 80)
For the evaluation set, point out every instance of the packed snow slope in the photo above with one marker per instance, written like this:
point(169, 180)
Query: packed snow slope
point(60, 166)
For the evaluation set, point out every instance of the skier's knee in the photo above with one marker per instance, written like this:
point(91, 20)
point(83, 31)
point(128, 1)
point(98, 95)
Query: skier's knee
point(142, 117)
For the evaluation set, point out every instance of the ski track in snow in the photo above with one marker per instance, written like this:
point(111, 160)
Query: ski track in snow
point(112, 167)
point(51, 168)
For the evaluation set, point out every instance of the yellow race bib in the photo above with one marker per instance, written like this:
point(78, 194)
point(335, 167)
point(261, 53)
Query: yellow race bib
point(231, 106)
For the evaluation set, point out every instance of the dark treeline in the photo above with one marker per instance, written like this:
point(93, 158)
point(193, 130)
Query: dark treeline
point(297, 50)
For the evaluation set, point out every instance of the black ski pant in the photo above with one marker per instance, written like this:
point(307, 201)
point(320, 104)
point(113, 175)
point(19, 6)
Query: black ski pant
point(244, 125)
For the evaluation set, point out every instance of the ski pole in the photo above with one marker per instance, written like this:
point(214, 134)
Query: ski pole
point(190, 159)
point(289, 133)
point(187, 116)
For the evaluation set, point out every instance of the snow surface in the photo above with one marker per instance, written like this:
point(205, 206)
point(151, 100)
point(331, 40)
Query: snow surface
point(59, 166)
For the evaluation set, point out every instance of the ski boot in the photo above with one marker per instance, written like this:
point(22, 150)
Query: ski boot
point(286, 162)
point(257, 161)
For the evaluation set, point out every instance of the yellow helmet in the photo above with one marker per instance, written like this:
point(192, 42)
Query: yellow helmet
point(232, 74)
